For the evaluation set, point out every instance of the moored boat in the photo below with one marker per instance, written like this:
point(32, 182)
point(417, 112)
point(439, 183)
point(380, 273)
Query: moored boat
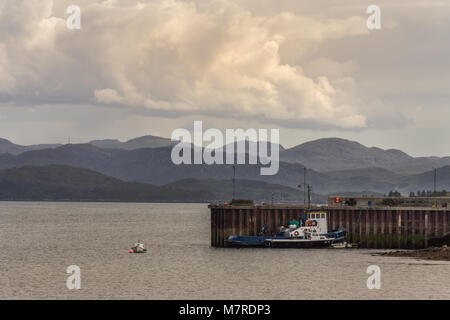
point(314, 225)
point(138, 248)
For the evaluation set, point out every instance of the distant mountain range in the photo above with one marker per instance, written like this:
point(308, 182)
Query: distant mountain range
point(334, 165)
point(152, 166)
point(323, 155)
point(148, 141)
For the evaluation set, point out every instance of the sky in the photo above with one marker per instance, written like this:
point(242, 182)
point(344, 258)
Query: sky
point(312, 69)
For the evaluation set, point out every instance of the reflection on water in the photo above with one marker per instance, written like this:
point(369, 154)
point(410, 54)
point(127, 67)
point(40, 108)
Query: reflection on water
point(38, 241)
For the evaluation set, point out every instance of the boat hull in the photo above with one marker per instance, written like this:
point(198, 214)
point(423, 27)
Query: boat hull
point(298, 243)
point(249, 241)
point(259, 241)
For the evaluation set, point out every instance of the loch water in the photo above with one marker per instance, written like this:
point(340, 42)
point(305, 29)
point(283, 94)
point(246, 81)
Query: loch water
point(40, 240)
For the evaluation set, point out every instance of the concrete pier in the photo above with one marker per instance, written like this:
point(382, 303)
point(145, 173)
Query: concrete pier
point(376, 227)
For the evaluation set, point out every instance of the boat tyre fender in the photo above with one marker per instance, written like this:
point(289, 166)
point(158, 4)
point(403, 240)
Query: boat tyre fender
point(314, 223)
point(296, 233)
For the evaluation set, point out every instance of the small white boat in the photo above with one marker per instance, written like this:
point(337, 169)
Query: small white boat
point(138, 248)
point(341, 245)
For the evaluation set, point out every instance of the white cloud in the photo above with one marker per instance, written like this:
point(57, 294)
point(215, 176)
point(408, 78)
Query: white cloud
point(310, 67)
point(177, 58)
point(107, 96)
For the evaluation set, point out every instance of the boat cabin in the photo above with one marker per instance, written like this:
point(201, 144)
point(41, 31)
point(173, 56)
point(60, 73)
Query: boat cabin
point(315, 223)
point(320, 218)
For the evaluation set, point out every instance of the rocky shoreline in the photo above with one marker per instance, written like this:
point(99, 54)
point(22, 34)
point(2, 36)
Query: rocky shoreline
point(434, 253)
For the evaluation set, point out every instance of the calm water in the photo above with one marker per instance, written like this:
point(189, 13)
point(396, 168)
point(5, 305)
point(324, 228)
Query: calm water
point(38, 241)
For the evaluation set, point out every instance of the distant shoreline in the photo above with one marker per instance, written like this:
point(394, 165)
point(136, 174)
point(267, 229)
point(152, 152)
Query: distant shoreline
point(104, 201)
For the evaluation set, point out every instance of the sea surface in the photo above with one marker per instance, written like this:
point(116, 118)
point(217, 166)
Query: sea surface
point(38, 241)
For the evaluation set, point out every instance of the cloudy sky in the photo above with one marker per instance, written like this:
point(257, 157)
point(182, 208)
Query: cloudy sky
point(311, 68)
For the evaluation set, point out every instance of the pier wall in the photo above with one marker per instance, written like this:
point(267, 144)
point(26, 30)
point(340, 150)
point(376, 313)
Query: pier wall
point(377, 227)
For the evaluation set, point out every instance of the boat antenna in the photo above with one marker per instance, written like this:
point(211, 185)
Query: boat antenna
point(435, 178)
point(234, 181)
point(304, 185)
point(309, 196)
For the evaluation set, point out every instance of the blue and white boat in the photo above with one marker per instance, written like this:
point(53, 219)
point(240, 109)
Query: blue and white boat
point(306, 233)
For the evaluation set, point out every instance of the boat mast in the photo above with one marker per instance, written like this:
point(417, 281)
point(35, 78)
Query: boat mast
point(304, 185)
point(234, 181)
point(309, 196)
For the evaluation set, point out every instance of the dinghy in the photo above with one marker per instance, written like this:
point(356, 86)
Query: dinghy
point(138, 248)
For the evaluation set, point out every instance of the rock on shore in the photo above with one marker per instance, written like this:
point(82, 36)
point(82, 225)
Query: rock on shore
point(434, 253)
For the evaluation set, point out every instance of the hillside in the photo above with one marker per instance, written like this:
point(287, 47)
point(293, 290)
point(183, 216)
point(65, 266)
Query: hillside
point(425, 181)
point(56, 182)
point(247, 189)
point(333, 154)
point(338, 154)
point(322, 155)
point(64, 183)
point(136, 143)
point(153, 166)
point(379, 174)
point(7, 146)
